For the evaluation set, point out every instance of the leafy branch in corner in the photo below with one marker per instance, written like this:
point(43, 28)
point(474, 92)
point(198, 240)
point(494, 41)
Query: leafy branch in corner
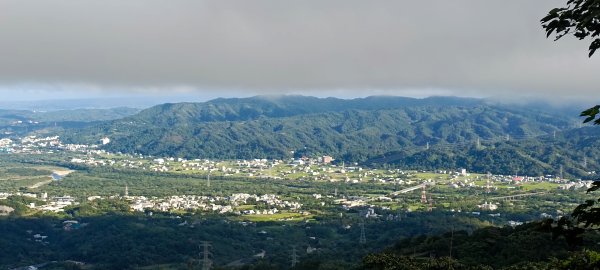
point(580, 18)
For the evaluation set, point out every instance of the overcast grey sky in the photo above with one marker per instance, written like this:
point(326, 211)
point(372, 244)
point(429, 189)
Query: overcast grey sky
point(346, 48)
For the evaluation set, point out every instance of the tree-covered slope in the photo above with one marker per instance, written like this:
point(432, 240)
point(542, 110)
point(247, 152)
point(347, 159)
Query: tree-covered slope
point(575, 152)
point(529, 246)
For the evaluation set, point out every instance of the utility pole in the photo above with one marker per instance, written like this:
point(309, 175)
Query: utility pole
point(294, 256)
point(208, 178)
point(206, 255)
point(554, 134)
point(478, 143)
point(451, 241)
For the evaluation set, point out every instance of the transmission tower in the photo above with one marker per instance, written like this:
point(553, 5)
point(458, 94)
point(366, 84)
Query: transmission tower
point(206, 255)
point(294, 256)
point(363, 237)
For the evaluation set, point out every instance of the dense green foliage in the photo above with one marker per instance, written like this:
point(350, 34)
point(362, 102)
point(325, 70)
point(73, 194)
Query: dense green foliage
point(525, 247)
point(125, 242)
point(118, 241)
point(577, 151)
point(583, 260)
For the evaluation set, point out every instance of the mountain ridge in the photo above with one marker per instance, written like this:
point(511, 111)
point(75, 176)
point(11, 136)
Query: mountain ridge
point(355, 130)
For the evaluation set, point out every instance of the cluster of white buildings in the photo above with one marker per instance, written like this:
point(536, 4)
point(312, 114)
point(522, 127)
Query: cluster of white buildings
point(50, 204)
point(488, 206)
point(56, 204)
point(38, 145)
point(5, 195)
point(184, 202)
point(576, 185)
point(216, 204)
point(6, 142)
point(92, 161)
point(349, 203)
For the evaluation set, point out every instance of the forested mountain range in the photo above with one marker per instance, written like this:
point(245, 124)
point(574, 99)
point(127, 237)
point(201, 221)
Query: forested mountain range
point(8, 117)
point(377, 130)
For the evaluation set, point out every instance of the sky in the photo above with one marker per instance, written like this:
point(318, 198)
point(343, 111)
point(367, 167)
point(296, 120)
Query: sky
point(344, 48)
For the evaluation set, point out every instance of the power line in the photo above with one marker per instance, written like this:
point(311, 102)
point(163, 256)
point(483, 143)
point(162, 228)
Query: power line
point(294, 256)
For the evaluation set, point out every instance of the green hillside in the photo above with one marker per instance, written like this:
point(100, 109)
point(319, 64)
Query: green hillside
point(375, 130)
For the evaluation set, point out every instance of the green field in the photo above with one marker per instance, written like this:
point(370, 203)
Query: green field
point(285, 216)
point(539, 186)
